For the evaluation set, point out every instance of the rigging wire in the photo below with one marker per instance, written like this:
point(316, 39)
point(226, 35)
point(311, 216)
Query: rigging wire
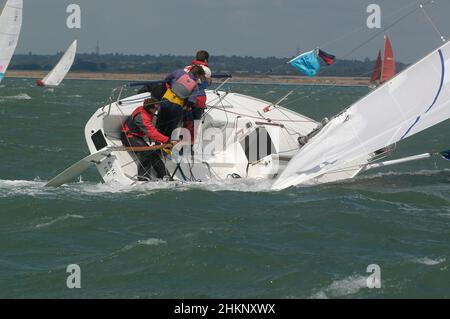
point(432, 23)
point(383, 30)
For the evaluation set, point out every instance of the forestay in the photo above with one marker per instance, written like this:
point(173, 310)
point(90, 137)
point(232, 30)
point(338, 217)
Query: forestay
point(413, 101)
point(10, 26)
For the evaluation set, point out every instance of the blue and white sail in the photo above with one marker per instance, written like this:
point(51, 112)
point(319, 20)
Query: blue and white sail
point(412, 101)
point(10, 26)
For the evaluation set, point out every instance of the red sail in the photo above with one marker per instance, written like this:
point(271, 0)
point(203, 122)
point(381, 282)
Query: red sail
point(376, 75)
point(388, 70)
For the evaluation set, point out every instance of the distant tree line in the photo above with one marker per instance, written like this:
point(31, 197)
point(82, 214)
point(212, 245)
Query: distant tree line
point(237, 65)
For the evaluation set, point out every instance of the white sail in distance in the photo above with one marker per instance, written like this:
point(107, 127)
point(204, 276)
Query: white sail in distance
point(10, 26)
point(412, 101)
point(59, 72)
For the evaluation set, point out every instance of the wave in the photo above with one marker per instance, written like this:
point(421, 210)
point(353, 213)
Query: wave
point(58, 219)
point(428, 261)
point(145, 242)
point(36, 186)
point(424, 172)
point(22, 96)
point(343, 287)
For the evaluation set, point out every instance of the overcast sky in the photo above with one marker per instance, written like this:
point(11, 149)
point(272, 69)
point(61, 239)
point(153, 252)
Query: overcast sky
point(230, 27)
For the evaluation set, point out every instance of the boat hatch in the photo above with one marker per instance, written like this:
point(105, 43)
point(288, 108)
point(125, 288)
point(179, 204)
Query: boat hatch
point(257, 145)
point(99, 140)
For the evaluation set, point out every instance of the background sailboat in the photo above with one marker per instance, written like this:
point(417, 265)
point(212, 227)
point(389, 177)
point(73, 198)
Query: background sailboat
point(10, 26)
point(384, 68)
point(55, 77)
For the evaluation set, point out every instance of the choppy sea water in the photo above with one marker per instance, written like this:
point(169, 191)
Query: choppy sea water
point(211, 240)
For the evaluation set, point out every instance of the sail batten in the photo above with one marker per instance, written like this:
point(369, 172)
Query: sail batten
point(10, 27)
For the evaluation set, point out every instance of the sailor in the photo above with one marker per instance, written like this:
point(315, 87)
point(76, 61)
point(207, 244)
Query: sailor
point(196, 113)
point(201, 58)
point(138, 126)
point(181, 94)
point(193, 115)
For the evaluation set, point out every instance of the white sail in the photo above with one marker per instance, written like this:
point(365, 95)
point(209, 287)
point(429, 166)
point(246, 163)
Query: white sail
point(55, 77)
point(10, 26)
point(413, 101)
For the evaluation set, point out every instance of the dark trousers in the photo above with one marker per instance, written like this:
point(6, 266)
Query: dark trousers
point(188, 120)
point(147, 159)
point(170, 116)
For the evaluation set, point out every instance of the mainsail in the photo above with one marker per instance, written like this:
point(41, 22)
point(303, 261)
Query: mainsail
point(376, 75)
point(388, 69)
point(10, 26)
point(414, 100)
point(384, 68)
point(55, 77)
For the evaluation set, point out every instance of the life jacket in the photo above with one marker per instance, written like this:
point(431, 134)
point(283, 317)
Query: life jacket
point(172, 97)
point(183, 86)
point(132, 129)
point(201, 98)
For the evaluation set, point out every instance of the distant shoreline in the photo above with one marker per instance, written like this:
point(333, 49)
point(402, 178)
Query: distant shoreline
point(254, 79)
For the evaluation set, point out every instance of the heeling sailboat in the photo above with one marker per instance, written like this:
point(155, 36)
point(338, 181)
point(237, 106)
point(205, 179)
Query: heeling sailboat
point(59, 72)
point(385, 67)
point(412, 101)
point(10, 27)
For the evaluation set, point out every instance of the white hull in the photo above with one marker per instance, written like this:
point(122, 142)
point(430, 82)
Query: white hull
point(233, 117)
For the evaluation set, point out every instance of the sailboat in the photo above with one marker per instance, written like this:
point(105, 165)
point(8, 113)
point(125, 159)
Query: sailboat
point(10, 27)
point(59, 72)
point(385, 67)
point(244, 137)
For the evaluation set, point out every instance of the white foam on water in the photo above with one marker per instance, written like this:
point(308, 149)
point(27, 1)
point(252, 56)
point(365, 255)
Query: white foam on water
point(151, 242)
point(58, 219)
point(424, 172)
point(145, 242)
point(9, 188)
point(343, 287)
point(22, 96)
point(235, 185)
point(36, 187)
point(75, 96)
point(428, 261)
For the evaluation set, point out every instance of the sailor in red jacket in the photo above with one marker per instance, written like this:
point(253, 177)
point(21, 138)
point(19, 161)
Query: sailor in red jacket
point(138, 126)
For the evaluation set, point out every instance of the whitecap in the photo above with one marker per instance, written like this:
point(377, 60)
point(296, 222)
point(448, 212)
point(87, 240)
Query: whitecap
point(428, 261)
point(343, 287)
point(144, 242)
point(22, 96)
point(58, 219)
